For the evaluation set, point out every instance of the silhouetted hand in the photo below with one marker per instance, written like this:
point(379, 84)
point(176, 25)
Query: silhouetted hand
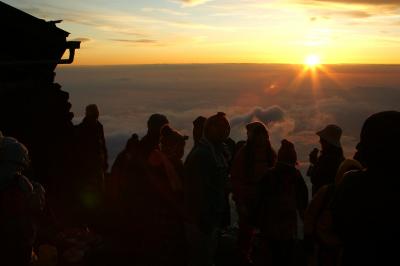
point(313, 157)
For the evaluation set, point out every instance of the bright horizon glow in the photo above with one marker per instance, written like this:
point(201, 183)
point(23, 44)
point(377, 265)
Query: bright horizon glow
point(312, 60)
point(123, 32)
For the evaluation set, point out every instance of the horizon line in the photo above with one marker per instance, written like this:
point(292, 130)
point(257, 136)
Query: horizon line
point(190, 64)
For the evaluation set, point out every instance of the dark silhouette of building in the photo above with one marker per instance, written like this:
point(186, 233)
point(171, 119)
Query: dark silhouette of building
point(33, 108)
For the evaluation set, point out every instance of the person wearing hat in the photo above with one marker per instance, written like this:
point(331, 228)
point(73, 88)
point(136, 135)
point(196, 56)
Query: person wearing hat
point(282, 194)
point(206, 174)
point(365, 204)
point(323, 167)
point(249, 166)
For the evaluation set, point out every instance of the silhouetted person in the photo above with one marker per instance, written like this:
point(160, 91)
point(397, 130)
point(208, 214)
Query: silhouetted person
point(20, 203)
point(173, 147)
point(164, 229)
point(123, 156)
point(172, 151)
point(91, 136)
point(151, 224)
point(137, 154)
point(283, 193)
point(151, 140)
point(130, 163)
point(366, 202)
point(230, 147)
point(198, 129)
point(198, 126)
point(322, 243)
point(120, 166)
point(250, 165)
point(230, 151)
point(323, 168)
point(92, 151)
point(206, 173)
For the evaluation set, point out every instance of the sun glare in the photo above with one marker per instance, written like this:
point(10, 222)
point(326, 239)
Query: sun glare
point(312, 60)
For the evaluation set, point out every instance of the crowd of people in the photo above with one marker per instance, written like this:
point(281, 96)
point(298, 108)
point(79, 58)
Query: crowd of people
point(155, 208)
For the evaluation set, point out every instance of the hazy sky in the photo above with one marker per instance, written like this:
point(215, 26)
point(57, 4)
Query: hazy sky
point(209, 31)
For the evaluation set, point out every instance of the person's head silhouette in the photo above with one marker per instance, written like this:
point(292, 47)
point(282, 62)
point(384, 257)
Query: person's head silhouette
point(172, 142)
point(287, 153)
point(217, 128)
point(380, 140)
point(330, 136)
point(155, 123)
point(92, 112)
point(198, 127)
point(257, 134)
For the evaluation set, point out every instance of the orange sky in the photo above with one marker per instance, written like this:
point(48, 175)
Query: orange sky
point(226, 31)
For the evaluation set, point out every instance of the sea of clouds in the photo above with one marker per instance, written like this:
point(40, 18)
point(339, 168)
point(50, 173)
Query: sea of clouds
point(292, 101)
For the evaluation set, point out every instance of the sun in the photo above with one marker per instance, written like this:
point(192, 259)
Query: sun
point(312, 60)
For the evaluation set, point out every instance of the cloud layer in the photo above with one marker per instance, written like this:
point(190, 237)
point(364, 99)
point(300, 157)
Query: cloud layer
point(265, 115)
point(295, 107)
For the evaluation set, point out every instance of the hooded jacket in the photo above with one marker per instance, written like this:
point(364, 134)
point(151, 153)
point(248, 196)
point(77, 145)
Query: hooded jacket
point(206, 174)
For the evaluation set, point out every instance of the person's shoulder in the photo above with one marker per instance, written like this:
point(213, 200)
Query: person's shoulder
point(353, 178)
point(355, 173)
point(321, 192)
point(200, 155)
point(351, 183)
point(24, 183)
point(201, 151)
